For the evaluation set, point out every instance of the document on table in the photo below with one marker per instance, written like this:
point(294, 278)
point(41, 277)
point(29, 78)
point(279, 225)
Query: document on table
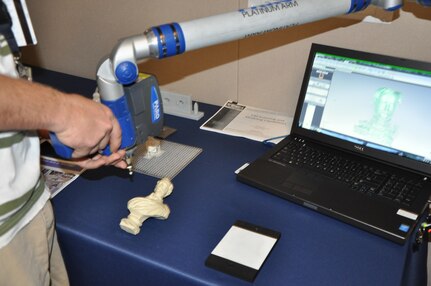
point(249, 122)
point(58, 173)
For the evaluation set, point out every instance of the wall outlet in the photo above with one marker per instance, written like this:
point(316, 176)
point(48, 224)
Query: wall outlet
point(180, 105)
point(177, 102)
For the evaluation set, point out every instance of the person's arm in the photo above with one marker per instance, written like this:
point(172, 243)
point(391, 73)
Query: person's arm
point(80, 123)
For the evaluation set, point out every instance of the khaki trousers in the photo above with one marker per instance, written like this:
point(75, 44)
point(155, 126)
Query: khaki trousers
point(33, 257)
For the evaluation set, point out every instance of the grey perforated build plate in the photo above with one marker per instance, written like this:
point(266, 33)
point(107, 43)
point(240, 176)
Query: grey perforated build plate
point(172, 159)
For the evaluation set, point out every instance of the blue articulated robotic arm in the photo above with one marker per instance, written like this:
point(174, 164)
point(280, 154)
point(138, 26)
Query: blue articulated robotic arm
point(140, 110)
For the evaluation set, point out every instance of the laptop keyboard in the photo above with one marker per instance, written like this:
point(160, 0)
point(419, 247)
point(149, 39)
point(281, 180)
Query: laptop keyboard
point(361, 178)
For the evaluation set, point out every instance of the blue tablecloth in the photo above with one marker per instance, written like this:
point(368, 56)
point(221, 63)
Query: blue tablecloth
point(313, 249)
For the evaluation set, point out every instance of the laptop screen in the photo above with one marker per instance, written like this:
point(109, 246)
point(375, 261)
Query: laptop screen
point(373, 102)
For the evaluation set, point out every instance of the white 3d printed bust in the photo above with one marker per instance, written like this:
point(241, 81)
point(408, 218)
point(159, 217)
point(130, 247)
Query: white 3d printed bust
point(152, 205)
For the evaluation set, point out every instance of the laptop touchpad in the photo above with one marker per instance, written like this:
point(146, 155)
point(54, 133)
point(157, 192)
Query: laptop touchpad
point(303, 182)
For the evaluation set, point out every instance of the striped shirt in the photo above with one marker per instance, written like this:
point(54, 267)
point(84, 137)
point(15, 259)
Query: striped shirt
point(22, 190)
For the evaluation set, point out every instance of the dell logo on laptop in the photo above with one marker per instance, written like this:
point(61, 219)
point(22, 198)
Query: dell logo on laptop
point(359, 148)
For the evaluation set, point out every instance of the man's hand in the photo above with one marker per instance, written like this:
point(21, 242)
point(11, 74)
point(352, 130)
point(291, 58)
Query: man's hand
point(88, 127)
point(115, 159)
point(80, 123)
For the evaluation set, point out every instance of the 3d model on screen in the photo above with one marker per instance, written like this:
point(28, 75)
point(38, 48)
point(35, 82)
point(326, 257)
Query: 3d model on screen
point(380, 129)
point(142, 208)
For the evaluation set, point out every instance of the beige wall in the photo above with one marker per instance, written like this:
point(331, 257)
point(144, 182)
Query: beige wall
point(264, 71)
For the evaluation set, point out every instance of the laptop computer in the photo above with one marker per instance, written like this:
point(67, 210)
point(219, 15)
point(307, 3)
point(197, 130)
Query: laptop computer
point(360, 144)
